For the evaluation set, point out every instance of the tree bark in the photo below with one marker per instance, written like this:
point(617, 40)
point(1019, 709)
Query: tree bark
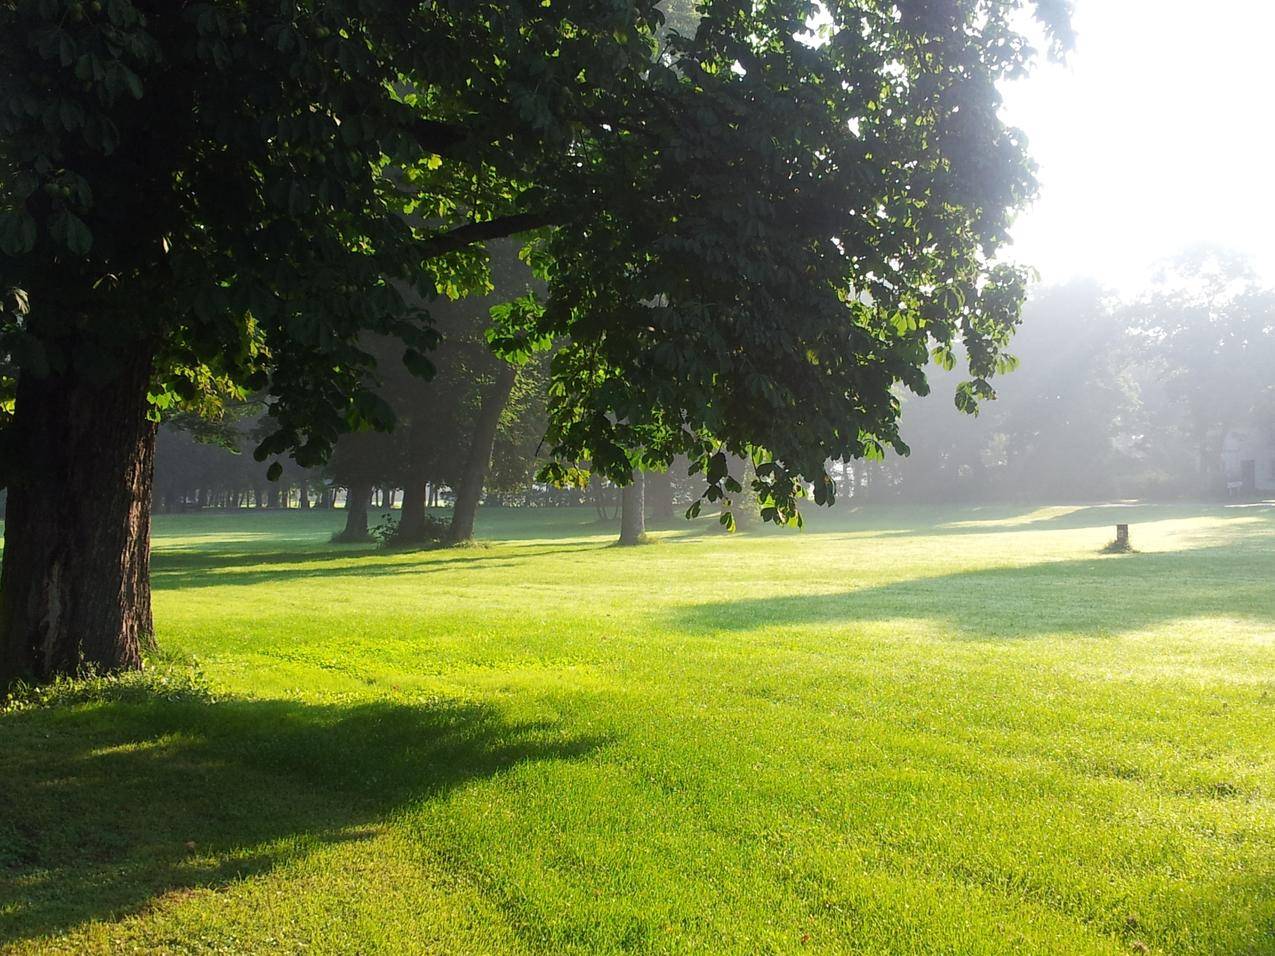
point(75, 582)
point(357, 496)
point(478, 462)
point(411, 521)
point(633, 511)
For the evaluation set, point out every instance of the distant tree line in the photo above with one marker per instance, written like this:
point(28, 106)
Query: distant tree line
point(1116, 398)
point(197, 470)
point(472, 432)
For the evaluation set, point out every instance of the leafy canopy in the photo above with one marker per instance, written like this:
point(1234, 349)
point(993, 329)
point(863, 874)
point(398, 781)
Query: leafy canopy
point(750, 234)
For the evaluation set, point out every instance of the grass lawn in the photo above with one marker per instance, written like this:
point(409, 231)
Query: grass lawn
point(958, 731)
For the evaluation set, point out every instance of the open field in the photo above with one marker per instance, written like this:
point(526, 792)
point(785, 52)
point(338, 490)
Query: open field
point(958, 731)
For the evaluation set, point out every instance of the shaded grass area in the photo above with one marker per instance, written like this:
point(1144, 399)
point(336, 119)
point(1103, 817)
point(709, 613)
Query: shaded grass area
point(139, 798)
point(923, 730)
point(1086, 595)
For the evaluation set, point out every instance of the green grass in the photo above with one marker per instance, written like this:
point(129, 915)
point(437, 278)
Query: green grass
point(898, 731)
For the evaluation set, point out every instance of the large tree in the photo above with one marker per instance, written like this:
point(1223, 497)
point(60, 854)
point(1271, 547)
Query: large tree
point(227, 191)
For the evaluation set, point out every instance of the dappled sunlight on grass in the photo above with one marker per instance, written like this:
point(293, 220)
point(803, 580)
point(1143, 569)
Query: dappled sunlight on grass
point(1015, 520)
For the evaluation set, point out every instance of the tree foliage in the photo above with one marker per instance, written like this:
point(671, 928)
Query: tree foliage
point(750, 234)
point(814, 217)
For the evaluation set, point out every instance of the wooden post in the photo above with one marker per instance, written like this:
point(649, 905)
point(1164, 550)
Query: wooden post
point(1122, 537)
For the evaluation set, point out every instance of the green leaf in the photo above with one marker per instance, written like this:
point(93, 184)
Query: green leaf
point(78, 237)
point(134, 83)
point(418, 364)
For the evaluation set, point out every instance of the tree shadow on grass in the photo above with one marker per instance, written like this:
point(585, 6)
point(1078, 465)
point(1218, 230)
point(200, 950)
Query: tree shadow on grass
point(1102, 595)
point(107, 805)
point(176, 570)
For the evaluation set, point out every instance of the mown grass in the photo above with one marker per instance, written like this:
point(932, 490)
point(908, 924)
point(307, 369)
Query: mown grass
point(898, 731)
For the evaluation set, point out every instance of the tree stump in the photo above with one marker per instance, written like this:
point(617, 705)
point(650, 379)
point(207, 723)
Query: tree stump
point(1121, 545)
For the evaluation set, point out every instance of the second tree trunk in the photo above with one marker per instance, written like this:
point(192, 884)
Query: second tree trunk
point(478, 461)
point(357, 496)
point(633, 511)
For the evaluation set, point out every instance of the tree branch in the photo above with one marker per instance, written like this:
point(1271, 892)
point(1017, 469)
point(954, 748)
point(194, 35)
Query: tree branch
point(462, 236)
point(435, 136)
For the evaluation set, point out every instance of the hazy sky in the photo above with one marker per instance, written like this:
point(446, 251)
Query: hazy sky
point(1158, 132)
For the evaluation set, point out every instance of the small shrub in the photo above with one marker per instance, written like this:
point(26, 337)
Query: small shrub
point(385, 529)
point(433, 533)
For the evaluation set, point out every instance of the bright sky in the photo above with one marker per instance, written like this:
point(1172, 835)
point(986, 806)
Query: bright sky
point(1158, 132)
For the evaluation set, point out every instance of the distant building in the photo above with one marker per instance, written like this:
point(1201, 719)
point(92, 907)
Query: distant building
point(1248, 460)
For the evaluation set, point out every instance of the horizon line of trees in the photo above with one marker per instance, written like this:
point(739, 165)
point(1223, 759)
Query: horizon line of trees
point(1116, 398)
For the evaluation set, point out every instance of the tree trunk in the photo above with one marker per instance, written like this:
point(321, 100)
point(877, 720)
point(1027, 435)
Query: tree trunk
point(744, 502)
point(470, 490)
point(357, 496)
point(632, 511)
point(75, 583)
point(411, 521)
